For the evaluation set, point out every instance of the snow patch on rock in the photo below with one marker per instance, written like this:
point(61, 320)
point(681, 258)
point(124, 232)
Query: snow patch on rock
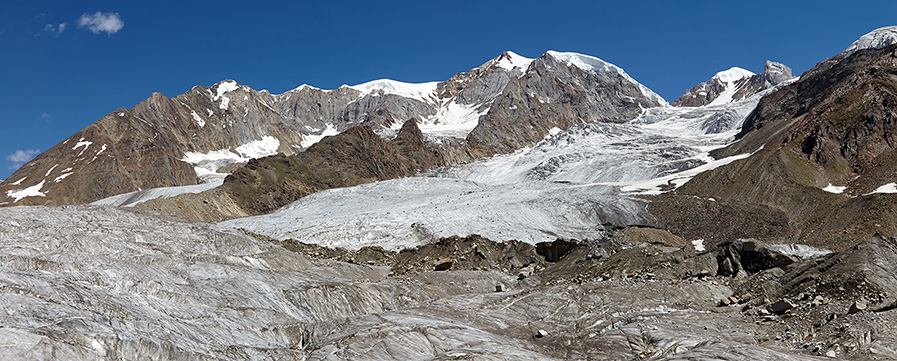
point(82, 143)
point(312, 139)
point(831, 188)
point(206, 165)
point(452, 120)
point(887, 188)
point(223, 88)
point(198, 120)
point(729, 78)
point(33, 191)
point(61, 177)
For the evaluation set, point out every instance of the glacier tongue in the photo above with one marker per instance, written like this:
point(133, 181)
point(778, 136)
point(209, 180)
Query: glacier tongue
point(571, 185)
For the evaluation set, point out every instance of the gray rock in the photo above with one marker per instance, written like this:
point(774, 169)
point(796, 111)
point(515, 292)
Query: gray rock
point(781, 306)
point(859, 305)
point(775, 73)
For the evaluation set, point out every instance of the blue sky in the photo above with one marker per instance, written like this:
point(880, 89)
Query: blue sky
point(64, 64)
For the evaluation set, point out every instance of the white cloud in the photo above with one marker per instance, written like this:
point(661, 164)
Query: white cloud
point(20, 157)
point(56, 30)
point(99, 22)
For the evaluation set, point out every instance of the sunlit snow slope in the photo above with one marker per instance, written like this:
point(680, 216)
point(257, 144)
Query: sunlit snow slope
point(571, 185)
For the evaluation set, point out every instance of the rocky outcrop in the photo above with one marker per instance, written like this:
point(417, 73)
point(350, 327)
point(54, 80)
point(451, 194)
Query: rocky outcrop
point(734, 85)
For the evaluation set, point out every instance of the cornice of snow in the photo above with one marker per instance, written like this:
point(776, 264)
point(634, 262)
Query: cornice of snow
point(876, 39)
point(591, 63)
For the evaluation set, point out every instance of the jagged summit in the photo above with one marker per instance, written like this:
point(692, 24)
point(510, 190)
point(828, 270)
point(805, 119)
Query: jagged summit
point(876, 39)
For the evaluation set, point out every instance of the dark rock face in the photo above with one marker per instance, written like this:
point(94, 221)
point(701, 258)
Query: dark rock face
point(706, 92)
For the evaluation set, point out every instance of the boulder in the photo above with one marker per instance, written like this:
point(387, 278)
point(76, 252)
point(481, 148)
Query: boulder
point(781, 306)
point(859, 305)
point(443, 265)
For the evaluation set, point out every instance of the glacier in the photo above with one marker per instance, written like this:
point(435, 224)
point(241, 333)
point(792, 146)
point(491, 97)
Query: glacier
point(574, 184)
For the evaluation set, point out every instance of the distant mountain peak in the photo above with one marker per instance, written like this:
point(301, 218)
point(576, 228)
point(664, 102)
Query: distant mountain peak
point(734, 84)
point(591, 63)
point(733, 74)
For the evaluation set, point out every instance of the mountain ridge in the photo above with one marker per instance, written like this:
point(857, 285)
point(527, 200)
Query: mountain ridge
point(147, 146)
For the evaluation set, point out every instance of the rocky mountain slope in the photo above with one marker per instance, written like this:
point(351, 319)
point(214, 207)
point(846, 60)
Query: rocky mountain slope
point(197, 136)
point(826, 170)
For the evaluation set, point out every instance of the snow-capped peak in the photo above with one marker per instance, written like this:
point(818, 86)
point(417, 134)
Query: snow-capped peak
point(733, 74)
point(509, 60)
point(591, 63)
point(877, 39)
point(420, 91)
